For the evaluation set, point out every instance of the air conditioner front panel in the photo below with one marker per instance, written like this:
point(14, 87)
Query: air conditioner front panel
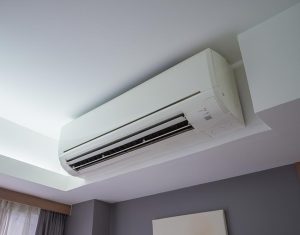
point(187, 107)
point(202, 112)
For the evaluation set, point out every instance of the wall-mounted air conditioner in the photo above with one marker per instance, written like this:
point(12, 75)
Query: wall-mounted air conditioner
point(196, 98)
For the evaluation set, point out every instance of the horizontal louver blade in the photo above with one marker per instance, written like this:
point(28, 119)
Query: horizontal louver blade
point(147, 136)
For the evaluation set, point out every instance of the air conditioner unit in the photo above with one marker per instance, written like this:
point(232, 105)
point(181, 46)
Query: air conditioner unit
point(195, 99)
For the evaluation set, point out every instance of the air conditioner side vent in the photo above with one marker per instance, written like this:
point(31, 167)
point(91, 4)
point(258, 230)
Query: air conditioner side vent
point(147, 136)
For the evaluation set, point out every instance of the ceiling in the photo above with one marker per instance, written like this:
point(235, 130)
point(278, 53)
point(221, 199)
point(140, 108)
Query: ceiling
point(60, 59)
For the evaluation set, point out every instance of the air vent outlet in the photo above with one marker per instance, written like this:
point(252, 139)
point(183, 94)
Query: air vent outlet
point(153, 134)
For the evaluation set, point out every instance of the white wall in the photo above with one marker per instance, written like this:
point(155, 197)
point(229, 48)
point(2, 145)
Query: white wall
point(25, 145)
point(271, 54)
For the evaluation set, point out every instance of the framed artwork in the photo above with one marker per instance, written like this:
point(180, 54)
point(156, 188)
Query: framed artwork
point(207, 223)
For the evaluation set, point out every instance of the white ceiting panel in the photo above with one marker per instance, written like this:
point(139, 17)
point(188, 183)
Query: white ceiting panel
point(271, 55)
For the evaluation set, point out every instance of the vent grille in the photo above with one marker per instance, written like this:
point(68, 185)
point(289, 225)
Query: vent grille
point(147, 136)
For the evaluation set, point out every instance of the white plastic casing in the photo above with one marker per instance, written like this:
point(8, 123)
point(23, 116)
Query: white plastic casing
point(200, 86)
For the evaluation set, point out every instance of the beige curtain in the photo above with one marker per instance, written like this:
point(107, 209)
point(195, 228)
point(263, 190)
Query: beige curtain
point(17, 219)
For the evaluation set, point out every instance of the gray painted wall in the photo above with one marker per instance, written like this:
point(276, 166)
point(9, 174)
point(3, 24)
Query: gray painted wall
point(89, 218)
point(264, 203)
point(101, 220)
point(80, 222)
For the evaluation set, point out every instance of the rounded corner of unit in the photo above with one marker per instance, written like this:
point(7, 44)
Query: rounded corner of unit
point(66, 167)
